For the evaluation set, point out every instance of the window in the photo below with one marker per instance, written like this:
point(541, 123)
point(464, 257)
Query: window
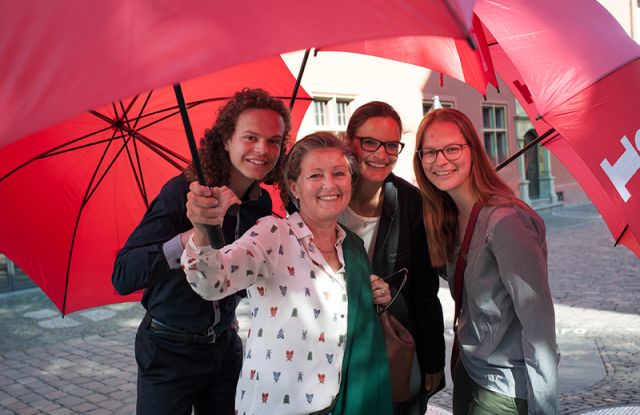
point(494, 122)
point(332, 113)
point(342, 112)
point(12, 277)
point(320, 111)
point(428, 104)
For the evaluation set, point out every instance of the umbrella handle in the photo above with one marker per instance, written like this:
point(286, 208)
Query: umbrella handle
point(216, 237)
point(214, 232)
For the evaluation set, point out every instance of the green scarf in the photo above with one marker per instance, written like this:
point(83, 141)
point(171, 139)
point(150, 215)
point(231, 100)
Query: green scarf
point(365, 387)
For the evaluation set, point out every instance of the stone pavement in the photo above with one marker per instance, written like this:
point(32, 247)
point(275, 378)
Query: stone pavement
point(84, 364)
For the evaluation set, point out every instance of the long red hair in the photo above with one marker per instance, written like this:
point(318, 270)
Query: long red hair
point(439, 211)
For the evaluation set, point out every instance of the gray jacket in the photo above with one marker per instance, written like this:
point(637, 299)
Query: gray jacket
point(507, 323)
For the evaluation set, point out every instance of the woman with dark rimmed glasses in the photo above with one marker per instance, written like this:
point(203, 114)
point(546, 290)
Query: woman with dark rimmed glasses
point(386, 212)
point(506, 338)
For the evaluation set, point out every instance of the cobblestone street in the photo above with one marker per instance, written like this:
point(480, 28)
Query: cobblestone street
point(84, 364)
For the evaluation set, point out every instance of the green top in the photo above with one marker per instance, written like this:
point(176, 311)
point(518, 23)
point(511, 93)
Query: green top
point(365, 387)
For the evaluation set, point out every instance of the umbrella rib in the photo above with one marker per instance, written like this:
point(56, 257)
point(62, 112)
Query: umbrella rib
point(112, 123)
point(150, 142)
point(156, 121)
point(162, 151)
point(193, 104)
point(156, 147)
point(92, 189)
point(525, 149)
point(73, 241)
point(85, 199)
point(117, 126)
point(52, 151)
point(174, 108)
point(82, 146)
point(176, 111)
point(141, 112)
point(619, 238)
point(460, 24)
point(303, 66)
point(164, 156)
point(89, 192)
point(133, 101)
point(136, 173)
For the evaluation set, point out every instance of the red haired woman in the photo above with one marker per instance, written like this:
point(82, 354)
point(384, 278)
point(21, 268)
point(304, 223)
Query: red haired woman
point(506, 327)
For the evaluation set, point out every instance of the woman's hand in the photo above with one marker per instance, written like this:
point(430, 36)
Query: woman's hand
point(380, 291)
point(432, 380)
point(207, 206)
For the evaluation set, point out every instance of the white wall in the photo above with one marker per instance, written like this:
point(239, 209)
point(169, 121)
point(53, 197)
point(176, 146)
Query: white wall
point(627, 13)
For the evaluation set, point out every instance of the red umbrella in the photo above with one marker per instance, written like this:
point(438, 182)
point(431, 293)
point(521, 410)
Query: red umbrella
point(577, 74)
point(565, 60)
point(447, 55)
point(74, 191)
point(59, 61)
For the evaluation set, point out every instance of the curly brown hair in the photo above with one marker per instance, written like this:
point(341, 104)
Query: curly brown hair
point(216, 164)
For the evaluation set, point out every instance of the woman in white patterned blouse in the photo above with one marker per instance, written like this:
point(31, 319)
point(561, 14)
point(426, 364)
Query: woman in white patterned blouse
point(314, 341)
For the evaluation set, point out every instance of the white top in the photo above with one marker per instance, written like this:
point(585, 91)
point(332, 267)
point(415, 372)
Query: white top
point(365, 228)
point(295, 346)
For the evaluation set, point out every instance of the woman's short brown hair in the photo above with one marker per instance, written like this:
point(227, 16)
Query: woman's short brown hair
point(309, 143)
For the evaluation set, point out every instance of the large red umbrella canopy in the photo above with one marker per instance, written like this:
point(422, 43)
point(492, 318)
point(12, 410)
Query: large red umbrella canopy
point(59, 59)
point(74, 191)
point(574, 69)
point(568, 62)
point(467, 60)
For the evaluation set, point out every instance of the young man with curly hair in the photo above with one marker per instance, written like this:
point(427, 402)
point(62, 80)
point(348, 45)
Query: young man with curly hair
point(188, 356)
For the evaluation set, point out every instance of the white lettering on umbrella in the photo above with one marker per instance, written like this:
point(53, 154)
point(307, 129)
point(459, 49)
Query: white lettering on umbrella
point(621, 172)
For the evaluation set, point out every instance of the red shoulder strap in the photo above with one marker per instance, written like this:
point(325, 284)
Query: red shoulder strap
point(461, 264)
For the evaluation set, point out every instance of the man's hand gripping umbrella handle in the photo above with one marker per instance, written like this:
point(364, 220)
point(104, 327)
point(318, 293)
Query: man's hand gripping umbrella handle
point(214, 232)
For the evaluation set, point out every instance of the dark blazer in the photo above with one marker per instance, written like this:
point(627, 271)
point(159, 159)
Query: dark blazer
point(401, 243)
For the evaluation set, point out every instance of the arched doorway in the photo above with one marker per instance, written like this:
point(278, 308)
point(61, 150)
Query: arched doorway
point(532, 165)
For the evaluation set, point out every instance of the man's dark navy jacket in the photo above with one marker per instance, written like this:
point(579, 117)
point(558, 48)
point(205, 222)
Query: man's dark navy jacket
point(141, 264)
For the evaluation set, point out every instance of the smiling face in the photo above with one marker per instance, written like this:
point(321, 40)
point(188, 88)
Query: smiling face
point(255, 144)
point(323, 188)
point(377, 165)
point(449, 176)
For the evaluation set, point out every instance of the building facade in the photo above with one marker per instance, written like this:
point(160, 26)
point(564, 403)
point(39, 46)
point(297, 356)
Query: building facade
point(340, 82)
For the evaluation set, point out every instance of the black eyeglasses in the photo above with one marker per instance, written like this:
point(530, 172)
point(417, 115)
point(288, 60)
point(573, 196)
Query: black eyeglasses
point(392, 148)
point(401, 272)
point(451, 152)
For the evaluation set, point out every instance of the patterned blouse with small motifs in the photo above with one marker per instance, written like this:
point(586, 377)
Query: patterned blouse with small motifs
point(295, 346)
